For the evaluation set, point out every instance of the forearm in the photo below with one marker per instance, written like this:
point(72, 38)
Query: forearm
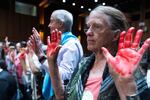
point(56, 81)
point(39, 51)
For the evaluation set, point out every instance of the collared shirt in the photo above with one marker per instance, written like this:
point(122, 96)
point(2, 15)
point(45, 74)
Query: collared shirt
point(68, 57)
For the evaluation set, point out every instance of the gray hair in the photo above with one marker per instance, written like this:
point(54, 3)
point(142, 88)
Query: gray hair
point(65, 17)
point(117, 19)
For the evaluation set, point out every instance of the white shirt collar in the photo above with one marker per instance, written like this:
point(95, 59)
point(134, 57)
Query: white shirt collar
point(1, 70)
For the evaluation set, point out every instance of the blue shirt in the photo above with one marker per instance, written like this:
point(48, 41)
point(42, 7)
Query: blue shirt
point(68, 57)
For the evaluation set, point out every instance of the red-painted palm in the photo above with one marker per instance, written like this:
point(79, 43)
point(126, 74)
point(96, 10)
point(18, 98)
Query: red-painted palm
point(52, 51)
point(53, 44)
point(129, 54)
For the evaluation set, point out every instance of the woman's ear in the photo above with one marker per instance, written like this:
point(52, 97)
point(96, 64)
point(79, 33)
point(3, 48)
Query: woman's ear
point(116, 34)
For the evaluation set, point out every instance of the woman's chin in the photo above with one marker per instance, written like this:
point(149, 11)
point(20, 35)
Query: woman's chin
point(90, 48)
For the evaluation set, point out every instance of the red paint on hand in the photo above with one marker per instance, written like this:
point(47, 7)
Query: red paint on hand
point(129, 55)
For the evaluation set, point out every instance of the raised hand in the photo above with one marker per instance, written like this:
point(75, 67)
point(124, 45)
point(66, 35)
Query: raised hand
point(12, 55)
point(52, 51)
point(6, 41)
point(22, 56)
point(53, 44)
point(36, 42)
point(32, 58)
point(30, 48)
point(129, 54)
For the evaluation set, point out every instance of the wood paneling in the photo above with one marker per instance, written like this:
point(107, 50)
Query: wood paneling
point(16, 26)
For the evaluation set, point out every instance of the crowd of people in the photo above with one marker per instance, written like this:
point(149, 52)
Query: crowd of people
point(32, 70)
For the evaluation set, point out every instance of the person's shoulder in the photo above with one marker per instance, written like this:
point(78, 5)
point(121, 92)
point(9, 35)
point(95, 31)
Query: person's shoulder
point(73, 41)
point(72, 45)
point(7, 76)
point(4, 73)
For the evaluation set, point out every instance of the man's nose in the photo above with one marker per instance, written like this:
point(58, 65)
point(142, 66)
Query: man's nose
point(49, 25)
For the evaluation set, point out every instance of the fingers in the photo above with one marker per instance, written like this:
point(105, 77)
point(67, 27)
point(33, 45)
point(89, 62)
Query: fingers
point(30, 46)
point(22, 56)
point(52, 36)
point(36, 35)
point(121, 40)
point(144, 46)
point(35, 31)
point(59, 37)
point(32, 42)
point(48, 40)
point(125, 40)
point(137, 39)
point(106, 53)
point(56, 36)
point(110, 59)
point(57, 48)
point(36, 41)
point(128, 38)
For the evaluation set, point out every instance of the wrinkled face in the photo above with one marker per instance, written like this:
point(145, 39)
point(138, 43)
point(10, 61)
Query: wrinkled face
point(54, 24)
point(98, 32)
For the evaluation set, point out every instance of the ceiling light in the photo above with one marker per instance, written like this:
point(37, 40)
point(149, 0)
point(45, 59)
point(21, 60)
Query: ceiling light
point(103, 3)
point(63, 1)
point(73, 4)
point(82, 7)
point(89, 9)
point(95, 0)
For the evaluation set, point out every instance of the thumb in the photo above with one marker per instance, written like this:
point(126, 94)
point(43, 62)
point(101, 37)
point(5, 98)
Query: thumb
point(58, 47)
point(112, 62)
point(106, 53)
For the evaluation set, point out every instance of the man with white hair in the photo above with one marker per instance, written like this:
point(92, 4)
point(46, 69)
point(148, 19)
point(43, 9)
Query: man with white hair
point(70, 52)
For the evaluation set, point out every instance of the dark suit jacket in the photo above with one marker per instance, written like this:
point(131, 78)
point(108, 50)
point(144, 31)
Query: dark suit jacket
point(8, 86)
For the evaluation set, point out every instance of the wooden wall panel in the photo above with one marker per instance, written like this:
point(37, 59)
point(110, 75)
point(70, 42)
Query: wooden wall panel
point(16, 26)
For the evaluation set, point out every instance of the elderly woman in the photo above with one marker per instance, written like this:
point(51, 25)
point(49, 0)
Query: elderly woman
point(102, 76)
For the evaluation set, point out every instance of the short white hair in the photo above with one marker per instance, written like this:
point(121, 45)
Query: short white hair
point(65, 17)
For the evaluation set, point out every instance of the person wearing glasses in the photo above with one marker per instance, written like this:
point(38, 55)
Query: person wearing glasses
point(112, 72)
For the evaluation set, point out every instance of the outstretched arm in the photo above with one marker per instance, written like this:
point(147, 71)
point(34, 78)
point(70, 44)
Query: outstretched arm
point(52, 51)
point(126, 61)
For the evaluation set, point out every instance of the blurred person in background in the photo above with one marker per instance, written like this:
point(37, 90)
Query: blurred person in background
point(8, 85)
